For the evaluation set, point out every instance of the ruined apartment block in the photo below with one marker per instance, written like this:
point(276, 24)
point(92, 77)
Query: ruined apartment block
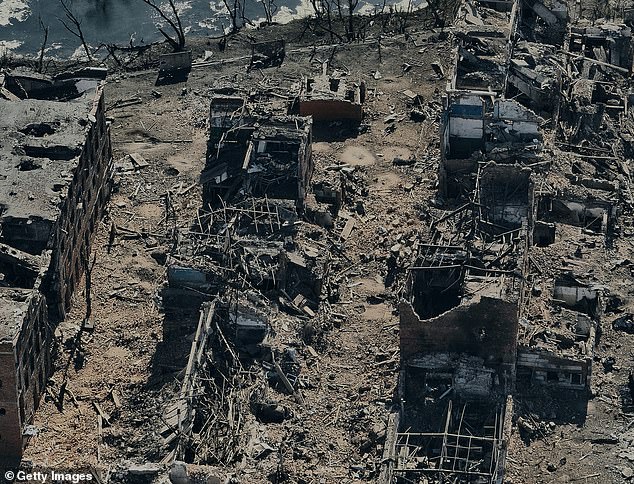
point(477, 129)
point(257, 157)
point(458, 328)
point(55, 169)
point(242, 249)
point(225, 112)
point(25, 365)
point(495, 305)
point(254, 187)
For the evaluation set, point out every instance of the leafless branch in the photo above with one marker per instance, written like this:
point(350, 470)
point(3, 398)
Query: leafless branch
point(40, 64)
point(74, 27)
point(177, 41)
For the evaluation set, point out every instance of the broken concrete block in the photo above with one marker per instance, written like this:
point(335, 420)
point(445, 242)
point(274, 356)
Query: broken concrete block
point(147, 469)
point(271, 412)
point(178, 473)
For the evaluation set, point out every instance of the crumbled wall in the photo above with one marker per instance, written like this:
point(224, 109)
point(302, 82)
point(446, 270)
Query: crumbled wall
point(486, 328)
point(545, 367)
point(331, 109)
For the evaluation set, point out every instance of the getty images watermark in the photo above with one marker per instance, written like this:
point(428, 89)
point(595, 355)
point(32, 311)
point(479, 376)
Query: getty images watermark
point(48, 476)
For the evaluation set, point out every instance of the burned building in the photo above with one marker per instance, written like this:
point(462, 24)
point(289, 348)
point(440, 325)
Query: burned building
point(478, 129)
point(55, 169)
point(562, 312)
point(603, 43)
point(503, 300)
point(226, 112)
point(458, 361)
point(459, 322)
point(479, 124)
point(544, 22)
point(254, 185)
point(261, 157)
point(534, 75)
point(247, 244)
point(239, 260)
point(255, 182)
point(481, 47)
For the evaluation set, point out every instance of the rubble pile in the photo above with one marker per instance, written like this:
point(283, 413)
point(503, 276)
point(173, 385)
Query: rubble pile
point(506, 296)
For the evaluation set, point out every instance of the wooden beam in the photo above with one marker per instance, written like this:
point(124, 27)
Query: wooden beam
point(598, 62)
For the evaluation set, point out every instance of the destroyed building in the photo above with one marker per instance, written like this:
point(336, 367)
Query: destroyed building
point(56, 166)
point(479, 128)
point(458, 329)
point(501, 278)
point(252, 244)
point(260, 157)
point(55, 169)
point(226, 112)
point(331, 98)
point(25, 365)
point(241, 255)
point(492, 310)
point(255, 183)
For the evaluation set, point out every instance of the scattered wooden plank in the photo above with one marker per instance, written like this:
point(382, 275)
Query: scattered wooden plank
point(312, 351)
point(299, 300)
point(8, 95)
point(308, 311)
point(347, 229)
point(187, 189)
point(100, 412)
point(122, 103)
point(138, 160)
point(594, 61)
point(114, 394)
point(287, 384)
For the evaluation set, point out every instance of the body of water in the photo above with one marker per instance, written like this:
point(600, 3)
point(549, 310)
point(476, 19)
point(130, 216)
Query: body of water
point(119, 21)
point(107, 21)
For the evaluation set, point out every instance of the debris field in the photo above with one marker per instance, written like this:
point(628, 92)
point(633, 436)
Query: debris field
point(394, 260)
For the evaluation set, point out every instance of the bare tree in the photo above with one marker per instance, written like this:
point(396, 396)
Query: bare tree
point(40, 64)
point(177, 41)
point(324, 11)
point(73, 25)
point(339, 9)
point(235, 9)
point(326, 6)
point(316, 8)
point(403, 18)
point(352, 5)
point(439, 10)
point(270, 8)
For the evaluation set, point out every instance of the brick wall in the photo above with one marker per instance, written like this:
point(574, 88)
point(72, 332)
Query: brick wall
point(545, 367)
point(84, 206)
point(486, 328)
point(10, 427)
point(330, 110)
point(24, 369)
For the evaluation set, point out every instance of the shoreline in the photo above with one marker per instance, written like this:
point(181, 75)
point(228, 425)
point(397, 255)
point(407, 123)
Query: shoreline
point(305, 31)
point(20, 34)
